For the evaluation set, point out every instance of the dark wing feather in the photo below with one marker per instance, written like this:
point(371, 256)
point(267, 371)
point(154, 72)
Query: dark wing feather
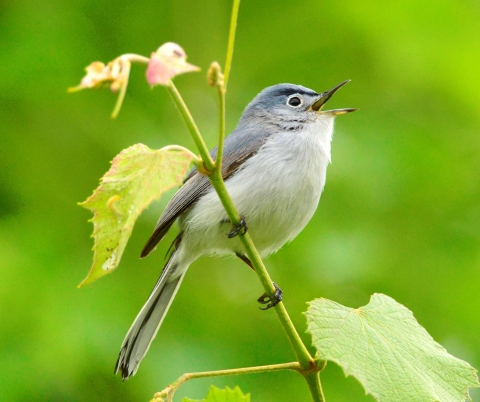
point(237, 149)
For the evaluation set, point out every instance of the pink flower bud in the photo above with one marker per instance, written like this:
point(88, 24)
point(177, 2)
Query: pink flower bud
point(167, 62)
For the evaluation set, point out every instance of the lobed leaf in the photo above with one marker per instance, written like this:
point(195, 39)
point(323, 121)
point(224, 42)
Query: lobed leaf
point(383, 346)
point(222, 395)
point(138, 176)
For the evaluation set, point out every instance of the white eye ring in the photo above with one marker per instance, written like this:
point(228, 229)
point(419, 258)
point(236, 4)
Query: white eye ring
point(293, 99)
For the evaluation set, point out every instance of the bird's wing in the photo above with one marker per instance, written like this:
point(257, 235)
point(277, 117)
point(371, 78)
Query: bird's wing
point(237, 149)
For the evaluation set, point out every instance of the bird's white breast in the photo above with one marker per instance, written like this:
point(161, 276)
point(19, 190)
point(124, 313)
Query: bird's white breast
point(277, 191)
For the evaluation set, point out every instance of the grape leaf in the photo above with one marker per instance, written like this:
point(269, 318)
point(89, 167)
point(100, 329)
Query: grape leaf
point(222, 395)
point(138, 176)
point(383, 346)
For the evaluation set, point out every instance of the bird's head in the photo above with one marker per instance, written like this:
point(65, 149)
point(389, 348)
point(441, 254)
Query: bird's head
point(291, 103)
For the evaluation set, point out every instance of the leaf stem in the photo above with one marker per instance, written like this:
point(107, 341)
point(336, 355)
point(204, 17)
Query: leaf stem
point(192, 127)
point(135, 58)
point(172, 388)
point(231, 40)
point(125, 61)
point(123, 88)
point(195, 159)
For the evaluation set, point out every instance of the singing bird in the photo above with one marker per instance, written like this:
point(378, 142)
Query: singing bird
point(274, 167)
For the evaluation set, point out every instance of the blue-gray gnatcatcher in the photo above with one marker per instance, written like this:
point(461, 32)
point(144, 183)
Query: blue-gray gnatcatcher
point(274, 167)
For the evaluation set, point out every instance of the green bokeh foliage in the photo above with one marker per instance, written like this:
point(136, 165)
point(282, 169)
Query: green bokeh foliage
point(400, 213)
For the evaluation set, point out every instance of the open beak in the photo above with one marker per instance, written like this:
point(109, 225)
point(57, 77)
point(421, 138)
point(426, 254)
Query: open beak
point(325, 97)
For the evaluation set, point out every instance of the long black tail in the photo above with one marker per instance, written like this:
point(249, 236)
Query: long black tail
point(148, 321)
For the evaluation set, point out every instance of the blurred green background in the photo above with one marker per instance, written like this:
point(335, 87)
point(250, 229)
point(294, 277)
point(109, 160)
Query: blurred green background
point(400, 213)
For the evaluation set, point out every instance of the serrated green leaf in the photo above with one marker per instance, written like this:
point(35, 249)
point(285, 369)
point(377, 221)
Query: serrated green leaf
point(222, 395)
point(384, 347)
point(138, 176)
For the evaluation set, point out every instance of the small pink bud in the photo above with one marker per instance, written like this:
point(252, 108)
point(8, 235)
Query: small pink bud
point(167, 62)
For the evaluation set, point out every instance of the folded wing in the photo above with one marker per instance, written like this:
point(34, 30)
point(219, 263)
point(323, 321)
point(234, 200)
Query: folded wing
point(238, 148)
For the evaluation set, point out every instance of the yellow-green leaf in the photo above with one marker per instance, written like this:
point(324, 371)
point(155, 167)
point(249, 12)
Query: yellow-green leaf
point(223, 395)
point(384, 347)
point(138, 176)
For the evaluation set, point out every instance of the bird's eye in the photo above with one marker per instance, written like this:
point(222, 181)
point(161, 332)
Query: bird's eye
point(294, 101)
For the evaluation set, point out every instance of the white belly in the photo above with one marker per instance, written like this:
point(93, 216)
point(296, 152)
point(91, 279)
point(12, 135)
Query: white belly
point(277, 201)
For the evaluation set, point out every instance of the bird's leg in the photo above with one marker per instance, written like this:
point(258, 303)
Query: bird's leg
point(241, 228)
point(245, 259)
point(271, 301)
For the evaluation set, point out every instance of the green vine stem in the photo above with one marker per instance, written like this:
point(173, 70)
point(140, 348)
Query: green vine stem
point(231, 40)
point(306, 364)
point(217, 79)
point(304, 358)
point(315, 386)
point(208, 163)
point(172, 388)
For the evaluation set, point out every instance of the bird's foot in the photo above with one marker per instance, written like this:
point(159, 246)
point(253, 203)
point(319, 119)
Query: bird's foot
point(241, 228)
point(271, 301)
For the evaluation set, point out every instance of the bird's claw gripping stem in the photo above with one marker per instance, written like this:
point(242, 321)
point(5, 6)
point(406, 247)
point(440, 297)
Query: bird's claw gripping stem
point(271, 301)
point(241, 228)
